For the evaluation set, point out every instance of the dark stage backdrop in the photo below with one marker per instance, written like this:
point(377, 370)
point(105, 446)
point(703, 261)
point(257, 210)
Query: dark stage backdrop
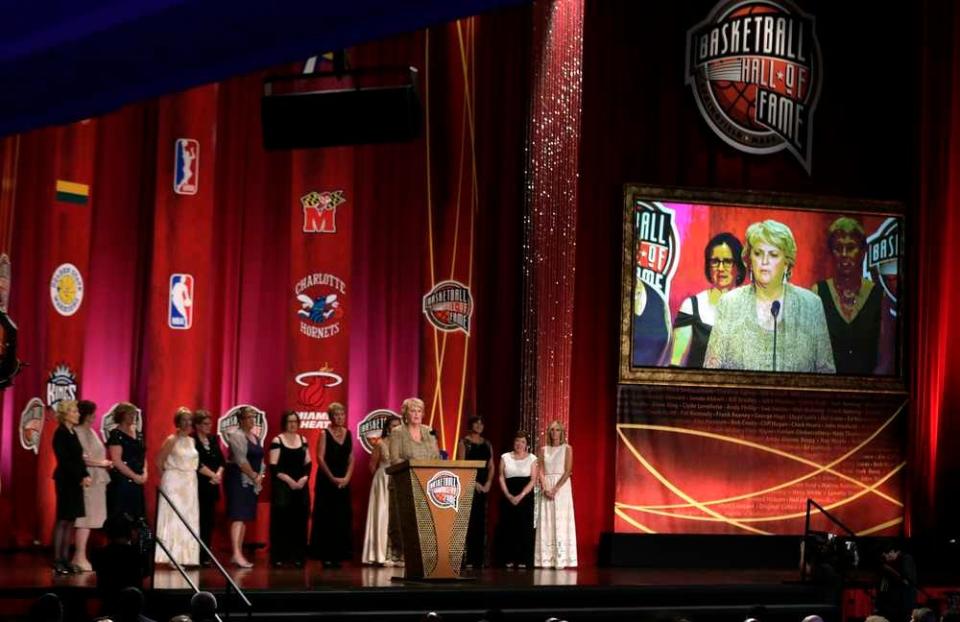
point(641, 125)
point(248, 228)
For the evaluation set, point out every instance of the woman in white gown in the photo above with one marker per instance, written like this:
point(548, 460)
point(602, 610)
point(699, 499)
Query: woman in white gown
point(178, 460)
point(377, 545)
point(556, 541)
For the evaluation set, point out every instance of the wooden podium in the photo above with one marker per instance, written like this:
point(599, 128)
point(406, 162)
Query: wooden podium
point(434, 498)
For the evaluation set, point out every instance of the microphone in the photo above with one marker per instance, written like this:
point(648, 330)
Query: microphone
point(775, 311)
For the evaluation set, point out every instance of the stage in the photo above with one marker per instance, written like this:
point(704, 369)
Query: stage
point(365, 593)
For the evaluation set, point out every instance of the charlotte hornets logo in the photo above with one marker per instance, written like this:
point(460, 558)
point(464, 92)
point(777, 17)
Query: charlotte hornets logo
point(443, 490)
point(321, 298)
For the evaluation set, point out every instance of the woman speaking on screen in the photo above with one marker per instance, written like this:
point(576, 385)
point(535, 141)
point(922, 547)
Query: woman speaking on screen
point(752, 318)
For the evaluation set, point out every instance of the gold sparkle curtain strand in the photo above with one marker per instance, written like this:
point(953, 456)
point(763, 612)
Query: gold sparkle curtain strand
point(550, 217)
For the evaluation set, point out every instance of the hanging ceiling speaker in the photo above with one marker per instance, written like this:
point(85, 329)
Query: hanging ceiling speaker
point(355, 107)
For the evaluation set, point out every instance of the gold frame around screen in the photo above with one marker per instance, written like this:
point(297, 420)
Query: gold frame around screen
point(721, 378)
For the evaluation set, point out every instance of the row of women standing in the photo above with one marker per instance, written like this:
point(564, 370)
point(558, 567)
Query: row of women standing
point(522, 541)
point(91, 484)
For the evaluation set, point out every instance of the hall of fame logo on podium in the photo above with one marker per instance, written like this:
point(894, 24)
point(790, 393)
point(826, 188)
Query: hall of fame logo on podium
point(443, 490)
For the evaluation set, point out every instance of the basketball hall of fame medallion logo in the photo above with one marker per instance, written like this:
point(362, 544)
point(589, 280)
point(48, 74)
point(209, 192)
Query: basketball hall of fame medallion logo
point(882, 263)
point(755, 70)
point(443, 490)
point(31, 425)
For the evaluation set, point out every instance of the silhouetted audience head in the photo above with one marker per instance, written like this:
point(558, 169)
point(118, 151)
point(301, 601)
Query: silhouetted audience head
point(757, 613)
point(181, 618)
point(129, 605)
point(431, 616)
point(876, 618)
point(47, 608)
point(203, 607)
point(813, 618)
point(923, 614)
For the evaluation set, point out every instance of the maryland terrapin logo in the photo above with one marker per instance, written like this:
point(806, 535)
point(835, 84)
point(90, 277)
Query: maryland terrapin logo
point(657, 248)
point(31, 425)
point(443, 490)
point(882, 263)
point(320, 211)
point(755, 70)
point(370, 429)
point(449, 306)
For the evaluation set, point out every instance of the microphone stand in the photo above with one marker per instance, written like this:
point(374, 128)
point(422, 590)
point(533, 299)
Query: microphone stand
point(775, 311)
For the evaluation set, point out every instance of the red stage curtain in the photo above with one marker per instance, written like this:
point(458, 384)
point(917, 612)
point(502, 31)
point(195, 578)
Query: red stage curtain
point(935, 340)
point(236, 237)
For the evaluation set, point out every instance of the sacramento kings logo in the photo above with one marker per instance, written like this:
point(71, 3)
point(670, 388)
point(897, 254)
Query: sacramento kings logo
point(443, 490)
point(882, 264)
point(449, 306)
point(656, 244)
point(755, 70)
point(61, 385)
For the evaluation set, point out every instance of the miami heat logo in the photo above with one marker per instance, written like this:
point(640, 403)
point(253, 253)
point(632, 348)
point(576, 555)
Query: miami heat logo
point(443, 490)
point(882, 263)
point(313, 396)
point(755, 70)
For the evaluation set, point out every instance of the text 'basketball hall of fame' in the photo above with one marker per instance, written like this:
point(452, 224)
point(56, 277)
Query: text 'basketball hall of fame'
point(755, 70)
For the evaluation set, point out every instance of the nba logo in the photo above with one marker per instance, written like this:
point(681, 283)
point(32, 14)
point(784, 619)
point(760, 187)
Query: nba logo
point(180, 314)
point(186, 166)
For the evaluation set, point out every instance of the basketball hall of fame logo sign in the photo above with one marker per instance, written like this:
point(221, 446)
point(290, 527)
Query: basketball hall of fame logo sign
point(882, 263)
point(443, 490)
point(657, 246)
point(109, 423)
point(230, 422)
point(449, 306)
point(755, 70)
point(370, 430)
point(31, 425)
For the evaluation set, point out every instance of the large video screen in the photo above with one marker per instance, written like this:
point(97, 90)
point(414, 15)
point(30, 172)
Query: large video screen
point(760, 284)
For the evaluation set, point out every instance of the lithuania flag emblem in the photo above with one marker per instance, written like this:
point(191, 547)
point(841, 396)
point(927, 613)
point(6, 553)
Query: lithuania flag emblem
point(72, 192)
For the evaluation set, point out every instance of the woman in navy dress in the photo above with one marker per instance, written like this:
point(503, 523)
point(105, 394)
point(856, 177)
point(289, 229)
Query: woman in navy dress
point(128, 453)
point(244, 481)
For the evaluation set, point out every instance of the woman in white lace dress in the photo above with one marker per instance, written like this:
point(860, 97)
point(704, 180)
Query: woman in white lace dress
point(178, 461)
point(556, 544)
point(378, 548)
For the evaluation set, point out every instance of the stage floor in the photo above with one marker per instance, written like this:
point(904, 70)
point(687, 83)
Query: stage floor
point(357, 592)
point(22, 571)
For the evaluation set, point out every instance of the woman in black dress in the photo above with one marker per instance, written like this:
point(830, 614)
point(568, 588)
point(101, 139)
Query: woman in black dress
point(209, 476)
point(128, 453)
point(518, 475)
point(474, 447)
point(70, 477)
point(290, 499)
point(331, 536)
